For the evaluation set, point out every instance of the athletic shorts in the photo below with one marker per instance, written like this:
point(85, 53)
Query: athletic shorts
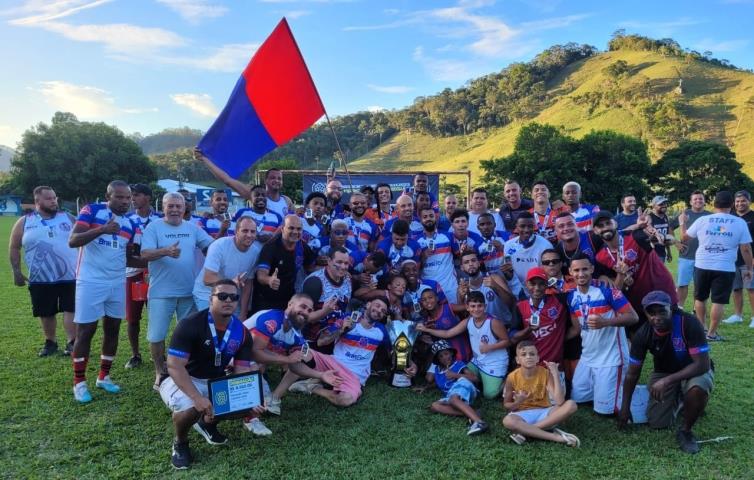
point(661, 414)
point(462, 388)
point(738, 281)
point(601, 385)
point(350, 385)
point(176, 399)
point(96, 300)
point(685, 272)
point(714, 284)
point(161, 312)
point(48, 299)
point(533, 415)
point(134, 308)
point(491, 385)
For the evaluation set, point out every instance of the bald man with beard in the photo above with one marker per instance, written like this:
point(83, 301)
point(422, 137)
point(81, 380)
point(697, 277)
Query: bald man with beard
point(283, 259)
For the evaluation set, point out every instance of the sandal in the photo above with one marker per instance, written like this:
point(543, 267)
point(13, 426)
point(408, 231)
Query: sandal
point(570, 439)
point(518, 439)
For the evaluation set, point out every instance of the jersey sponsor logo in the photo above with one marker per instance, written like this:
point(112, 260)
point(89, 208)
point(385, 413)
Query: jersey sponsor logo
point(271, 325)
point(552, 312)
point(363, 342)
point(233, 346)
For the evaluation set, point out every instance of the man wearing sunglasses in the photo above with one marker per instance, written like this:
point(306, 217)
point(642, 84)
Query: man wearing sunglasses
point(202, 347)
point(331, 290)
point(683, 371)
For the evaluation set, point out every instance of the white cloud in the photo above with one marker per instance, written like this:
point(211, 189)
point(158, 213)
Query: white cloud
point(443, 69)
point(722, 46)
point(200, 103)
point(555, 22)
point(375, 108)
point(395, 89)
point(119, 38)
point(493, 35)
point(39, 11)
point(81, 100)
point(664, 28)
point(294, 14)
point(194, 11)
point(227, 58)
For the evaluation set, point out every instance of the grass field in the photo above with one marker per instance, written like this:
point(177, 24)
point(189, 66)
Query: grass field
point(388, 434)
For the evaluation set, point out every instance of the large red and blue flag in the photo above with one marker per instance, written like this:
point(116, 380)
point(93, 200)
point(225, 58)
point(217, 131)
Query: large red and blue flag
point(274, 100)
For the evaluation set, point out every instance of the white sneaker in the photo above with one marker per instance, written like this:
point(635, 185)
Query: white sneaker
point(258, 428)
point(81, 393)
point(733, 319)
point(107, 385)
point(751, 324)
point(273, 405)
point(304, 386)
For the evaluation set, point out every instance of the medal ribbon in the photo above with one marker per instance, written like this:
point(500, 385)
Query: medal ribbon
point(219, 348)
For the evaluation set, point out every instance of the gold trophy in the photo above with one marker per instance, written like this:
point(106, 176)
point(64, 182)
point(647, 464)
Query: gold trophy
point(402, 334)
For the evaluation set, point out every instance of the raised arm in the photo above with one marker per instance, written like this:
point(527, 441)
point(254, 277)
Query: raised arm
point(240, 187)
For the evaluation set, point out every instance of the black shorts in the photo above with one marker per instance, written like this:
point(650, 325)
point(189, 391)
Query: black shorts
point(712, 283)
point(47, 299)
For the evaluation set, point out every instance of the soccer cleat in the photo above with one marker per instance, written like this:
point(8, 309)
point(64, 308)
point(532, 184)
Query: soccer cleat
point(733, 319)
point(81, 393)
point(477, 427)
point(715, 338)
point(257, 427)
point(687, 441)
point(305, 386)
point(210, 433)
point(49, 348)
point(181, 457)
point(68, 348)
point(273, 405)
point(107, 385)
point(134, 361)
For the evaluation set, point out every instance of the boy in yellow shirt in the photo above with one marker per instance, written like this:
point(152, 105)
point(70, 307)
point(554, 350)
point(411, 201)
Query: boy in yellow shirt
point(528, 390)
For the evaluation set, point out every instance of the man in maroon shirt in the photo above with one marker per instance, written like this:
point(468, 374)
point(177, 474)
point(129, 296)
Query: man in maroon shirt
point(632, 263)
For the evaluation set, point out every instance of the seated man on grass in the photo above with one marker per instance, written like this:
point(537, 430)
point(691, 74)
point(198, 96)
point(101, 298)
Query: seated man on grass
point(528, 391)
point(456, 381)
point(682, 368)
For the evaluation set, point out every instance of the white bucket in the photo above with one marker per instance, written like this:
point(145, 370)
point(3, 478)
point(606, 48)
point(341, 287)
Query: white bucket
point(639, 404)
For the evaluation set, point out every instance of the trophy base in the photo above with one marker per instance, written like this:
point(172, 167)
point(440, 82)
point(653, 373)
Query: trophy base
point(400, 380)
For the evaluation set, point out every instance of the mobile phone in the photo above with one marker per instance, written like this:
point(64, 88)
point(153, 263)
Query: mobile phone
point(308, 214)
point(507, 259)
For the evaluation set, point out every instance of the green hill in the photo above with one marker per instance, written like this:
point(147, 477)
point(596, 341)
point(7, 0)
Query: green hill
point(639, 98)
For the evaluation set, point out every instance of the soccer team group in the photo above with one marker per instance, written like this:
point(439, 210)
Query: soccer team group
point(545, 303)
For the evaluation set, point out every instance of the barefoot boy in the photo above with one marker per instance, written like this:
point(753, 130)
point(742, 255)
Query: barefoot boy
point(528, 390)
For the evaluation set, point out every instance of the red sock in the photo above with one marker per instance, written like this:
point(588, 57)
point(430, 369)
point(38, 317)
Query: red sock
point(79, 369)
point(104, 366)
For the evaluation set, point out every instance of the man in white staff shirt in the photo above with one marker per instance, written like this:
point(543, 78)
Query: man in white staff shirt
point(43, 234)
point(720, 236)
point(168, 245)
point(230, 257)
point(525, 250)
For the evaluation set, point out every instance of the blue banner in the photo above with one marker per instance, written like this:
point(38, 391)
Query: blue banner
point(398, 183)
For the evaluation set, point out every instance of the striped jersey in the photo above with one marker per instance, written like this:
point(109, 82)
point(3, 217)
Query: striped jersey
point(362, 233)
point(46, 251)
point(607, 346)
point(103, 260)
point(270, 324)
point(438, 264)
point(584, 215)
point(355, 348)
point(267, 222)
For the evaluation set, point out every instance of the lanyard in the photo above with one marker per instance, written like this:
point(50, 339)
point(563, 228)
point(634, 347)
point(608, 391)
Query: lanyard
point(219, 348)
point(542, 225)
point(539, 308)
point(115, 235)
point(584, 308)
point(620, 250)
point(50, 231)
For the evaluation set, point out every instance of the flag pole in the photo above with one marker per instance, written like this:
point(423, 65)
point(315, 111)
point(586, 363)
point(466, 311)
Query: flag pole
point(342, 155)
point(322, 104)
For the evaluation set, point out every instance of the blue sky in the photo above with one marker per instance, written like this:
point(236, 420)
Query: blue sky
point(144, 65)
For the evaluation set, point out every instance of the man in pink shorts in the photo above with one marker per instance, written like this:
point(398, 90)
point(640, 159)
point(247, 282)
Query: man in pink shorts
point(356, 336)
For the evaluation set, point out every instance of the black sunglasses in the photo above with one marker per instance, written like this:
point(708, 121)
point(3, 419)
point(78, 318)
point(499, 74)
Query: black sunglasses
point(224, 297)
point(551, 262)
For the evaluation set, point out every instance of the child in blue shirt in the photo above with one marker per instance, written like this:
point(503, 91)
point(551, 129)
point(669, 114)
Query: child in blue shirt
point(457, 383)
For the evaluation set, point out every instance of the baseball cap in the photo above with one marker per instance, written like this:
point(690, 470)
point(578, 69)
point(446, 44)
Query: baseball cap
point(439, 346)
point(141, 188)
point(536, 272)
point(659, 199)
point(656, 297)
point(602, 215)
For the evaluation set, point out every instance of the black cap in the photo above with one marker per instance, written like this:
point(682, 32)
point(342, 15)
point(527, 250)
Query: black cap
point(141, 188)
point(602, 215)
